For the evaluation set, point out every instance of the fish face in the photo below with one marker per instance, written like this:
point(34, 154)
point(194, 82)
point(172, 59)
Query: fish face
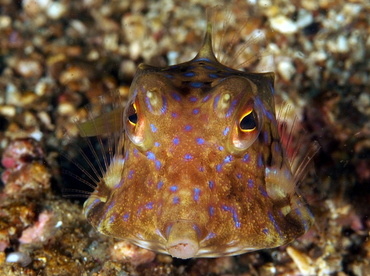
point(200, 170)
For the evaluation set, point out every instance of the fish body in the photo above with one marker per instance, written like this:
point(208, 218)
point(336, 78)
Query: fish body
point(199, 170)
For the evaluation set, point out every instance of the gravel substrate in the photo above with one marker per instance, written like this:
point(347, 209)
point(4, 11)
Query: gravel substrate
point(56, 57)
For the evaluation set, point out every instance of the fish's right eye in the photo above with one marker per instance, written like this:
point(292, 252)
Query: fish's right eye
point(132, 115)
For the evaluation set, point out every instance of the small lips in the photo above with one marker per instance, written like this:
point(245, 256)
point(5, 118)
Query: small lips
point(183, 240)
point(183, 248)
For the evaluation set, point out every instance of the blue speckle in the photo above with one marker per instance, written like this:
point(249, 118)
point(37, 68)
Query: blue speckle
point(210, 236)
point(277, 147)
point(226, 131)
point(219, 167)
point(246, 157)
point(193, 99)
point(126, 216)
point(157, 144)
point(233, 212)
point(174, 114)
point(201, 169)
point(130, 174)
point(231, 109)
point(159, 185)
point(211, 211)
point(263, 191)
point(169, 76)
point(195, 111)
point(112, 218)
point(209, 67)
point(265, 137)
point(173, 188)
point(265, 231)
point(196, 194)
point(154, 129)
point(188, 128)
point(206, 98)
point(176, 96)
point(188, 157)
point(157, 164)
point(213, 76)
point(305, 225)
point(149, 206)
point(260, 160)
point(150, 155)
point(176, 200)
point(176, 141)
point(228, 159)
point(136, 152)
point(221, 148)
point(189, 74)
point(277, 228)
point(250, 183)
point(239, 176)
point(164, 107)
point(202, 59)
point(215, 103)
point(148, 104)
point(211, 184)
point(200, 141)
point(196, 84)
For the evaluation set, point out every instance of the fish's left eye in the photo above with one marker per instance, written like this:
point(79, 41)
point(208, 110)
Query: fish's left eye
point(248, 121)
point(132, 115)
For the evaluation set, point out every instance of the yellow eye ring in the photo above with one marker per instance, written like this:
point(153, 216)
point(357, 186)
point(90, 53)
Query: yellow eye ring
point(132, 117)
point(248, 121)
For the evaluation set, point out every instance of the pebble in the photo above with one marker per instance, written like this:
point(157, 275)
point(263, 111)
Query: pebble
point(21, 258)
point(283, 25)
point(286, 69)
point(56, 10)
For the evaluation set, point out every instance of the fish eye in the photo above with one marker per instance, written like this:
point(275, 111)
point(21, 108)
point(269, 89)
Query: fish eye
point(248, 121)
point(132, 115)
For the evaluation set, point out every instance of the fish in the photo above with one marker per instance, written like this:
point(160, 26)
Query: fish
point(197, 167)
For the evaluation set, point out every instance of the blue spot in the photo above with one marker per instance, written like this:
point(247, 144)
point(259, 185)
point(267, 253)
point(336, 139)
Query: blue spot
point(277, 228)
point(200, 141)
point(126, 216)
point(221, 148)
point(196, 84)
point(202, 59)
point(189, 74)
point(228, 159)
point(231, 109)
point(305, 225)
point(277, 147)
point(159, 185)
point(149, 206)
point(210, 236)
point(239, 176)
point(215, 103)
point(148, 104)
point(150, 155)
point(176, 200)
point(246, 157)
point(173, 188)
point(226, 131)
point(265, 137)
point(188, 128)
point(272, 88)
point(175, 141)
point(250, 183)
point(195, 111)
point(130, 174)
point(219, 167)
point(201, 169)
point(193, 99)
point(112, 218)
point(196, 194)
point(213, 76)
point(206, 98)
point(233, 212)
point(188, 157)
point(174, 114)
point(157, 144)
point(136, 152)
point(169, 76)
point(269, 115)
point(263, 191)
point(164, 107)
point(154, 129)
point(211, 184)
point(211, 211)
point(265, 231)
point(260, 160)
point(175, 96)
point(158, 164)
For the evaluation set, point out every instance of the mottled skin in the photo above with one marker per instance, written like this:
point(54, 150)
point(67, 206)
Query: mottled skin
point(202, 172)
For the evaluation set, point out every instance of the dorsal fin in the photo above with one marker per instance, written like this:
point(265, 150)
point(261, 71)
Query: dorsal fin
point(206, 52)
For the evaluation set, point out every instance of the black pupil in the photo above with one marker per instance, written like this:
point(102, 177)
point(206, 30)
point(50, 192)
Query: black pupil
point(133, 118)
point(248, 122)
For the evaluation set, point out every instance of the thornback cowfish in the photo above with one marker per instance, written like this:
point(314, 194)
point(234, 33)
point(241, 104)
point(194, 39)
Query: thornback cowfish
point(198, 168)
